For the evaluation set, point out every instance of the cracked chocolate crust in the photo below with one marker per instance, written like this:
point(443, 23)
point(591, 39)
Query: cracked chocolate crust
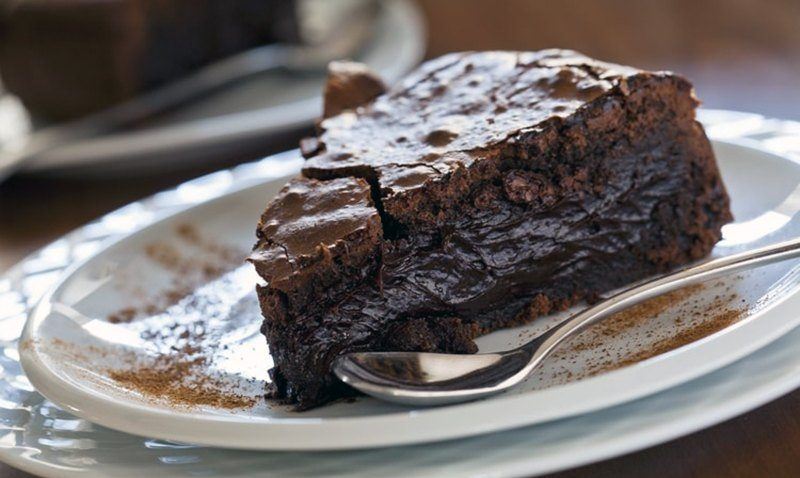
point(484, 190)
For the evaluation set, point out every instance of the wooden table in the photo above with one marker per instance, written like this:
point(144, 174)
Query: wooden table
point(712, 46)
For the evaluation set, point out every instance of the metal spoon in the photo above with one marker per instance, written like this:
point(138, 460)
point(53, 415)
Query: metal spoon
point(418, 378)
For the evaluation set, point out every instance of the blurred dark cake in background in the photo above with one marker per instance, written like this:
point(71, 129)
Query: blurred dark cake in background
point(67, 58)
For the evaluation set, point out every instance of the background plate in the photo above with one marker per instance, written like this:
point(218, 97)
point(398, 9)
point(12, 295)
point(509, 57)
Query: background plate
point(237, 118)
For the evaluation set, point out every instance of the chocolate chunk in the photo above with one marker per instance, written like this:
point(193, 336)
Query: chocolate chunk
point(349, 86)
point(310, 146)
point(527, 187)
point(316, 236)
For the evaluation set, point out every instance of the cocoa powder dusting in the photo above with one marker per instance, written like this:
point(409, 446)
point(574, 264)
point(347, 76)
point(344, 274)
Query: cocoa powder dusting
point(652, 328)
point(190, 271)
point(623, 321)
point(181, 370)
point(179, 379)
point(717, 322)
point(693, 322)
point(123, 316)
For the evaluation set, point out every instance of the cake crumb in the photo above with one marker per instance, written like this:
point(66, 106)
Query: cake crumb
point(123, 316)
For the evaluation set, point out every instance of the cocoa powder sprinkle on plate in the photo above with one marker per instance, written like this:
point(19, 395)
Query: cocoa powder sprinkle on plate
point(180, 380)
point(190, 273)
point(717, 322)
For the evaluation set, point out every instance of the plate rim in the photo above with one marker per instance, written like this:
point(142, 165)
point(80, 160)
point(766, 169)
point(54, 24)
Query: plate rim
point(41, 376)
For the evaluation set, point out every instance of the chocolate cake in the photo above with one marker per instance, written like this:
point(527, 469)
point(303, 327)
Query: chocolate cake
point(68, 58)
point(484, 190)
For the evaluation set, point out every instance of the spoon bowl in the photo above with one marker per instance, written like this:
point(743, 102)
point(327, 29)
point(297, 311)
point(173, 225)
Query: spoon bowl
point(429, 378)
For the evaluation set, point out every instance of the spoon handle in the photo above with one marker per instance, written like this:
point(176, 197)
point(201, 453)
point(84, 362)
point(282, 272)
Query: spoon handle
point(542, 346)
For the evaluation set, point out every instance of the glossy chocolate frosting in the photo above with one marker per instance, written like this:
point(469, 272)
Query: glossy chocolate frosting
point(313, 221)
point(442, 116)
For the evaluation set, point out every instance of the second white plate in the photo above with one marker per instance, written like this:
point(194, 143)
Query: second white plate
point(237, 119)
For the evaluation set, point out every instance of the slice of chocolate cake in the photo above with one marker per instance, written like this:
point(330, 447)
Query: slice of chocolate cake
point(506, 185)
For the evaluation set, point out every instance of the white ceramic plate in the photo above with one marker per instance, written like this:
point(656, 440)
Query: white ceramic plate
point(228, 121)
point(39, 437)
point(74, 313)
